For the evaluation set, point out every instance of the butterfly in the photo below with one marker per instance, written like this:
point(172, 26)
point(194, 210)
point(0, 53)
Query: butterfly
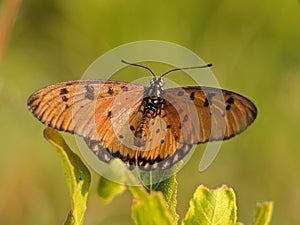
point(148, 127)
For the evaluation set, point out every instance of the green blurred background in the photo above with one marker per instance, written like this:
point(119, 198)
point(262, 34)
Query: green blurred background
point(255, 48)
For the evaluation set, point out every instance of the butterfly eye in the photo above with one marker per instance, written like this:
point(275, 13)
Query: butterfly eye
point(161, 82)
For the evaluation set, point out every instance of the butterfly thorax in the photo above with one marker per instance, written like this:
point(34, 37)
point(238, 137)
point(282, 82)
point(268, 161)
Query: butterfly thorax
point(152, 103)
point(156, 88)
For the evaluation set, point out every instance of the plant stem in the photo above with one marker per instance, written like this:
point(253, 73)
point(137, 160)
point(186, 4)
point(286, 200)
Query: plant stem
point(8, 14)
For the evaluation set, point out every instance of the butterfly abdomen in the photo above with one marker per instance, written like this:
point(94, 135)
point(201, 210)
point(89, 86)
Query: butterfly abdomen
point(152, 107)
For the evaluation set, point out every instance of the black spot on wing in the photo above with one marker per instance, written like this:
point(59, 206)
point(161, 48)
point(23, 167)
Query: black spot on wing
point(110, 90)
point(208, 99)
point(64, 91)
point(180, 93)
point(205, 104)
point(89, 94)
point(192, 96)
point(64, 98)
point(230, 101)
point(124, 88)
point(185, 118)
point(109, 114)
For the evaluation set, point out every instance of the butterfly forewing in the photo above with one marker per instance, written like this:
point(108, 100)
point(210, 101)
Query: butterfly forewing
point(81, 107)
point(221, 114)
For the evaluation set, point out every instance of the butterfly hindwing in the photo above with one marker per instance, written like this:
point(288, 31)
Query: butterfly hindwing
point(161, 149)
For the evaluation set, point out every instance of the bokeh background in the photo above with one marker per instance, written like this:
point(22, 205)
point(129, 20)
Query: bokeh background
point(254, 46)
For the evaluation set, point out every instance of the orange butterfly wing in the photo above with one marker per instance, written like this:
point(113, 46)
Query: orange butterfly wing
point(81, 107)
point(190, 115)
point(161, 149)
point(107, 113)
point(210, 114)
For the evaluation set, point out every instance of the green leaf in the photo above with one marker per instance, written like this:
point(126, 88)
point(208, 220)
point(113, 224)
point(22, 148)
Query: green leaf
point(263, 213)
point(213, 207)
point(77, 175)
point(150, 208)
point(108, 189)
point(168, 188)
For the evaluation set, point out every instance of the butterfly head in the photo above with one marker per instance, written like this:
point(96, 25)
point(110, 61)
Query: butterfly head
point(157, 81)
point(156, 87)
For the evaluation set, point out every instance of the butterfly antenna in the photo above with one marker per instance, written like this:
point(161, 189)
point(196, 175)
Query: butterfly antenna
point(186, 68)
point(133, 64)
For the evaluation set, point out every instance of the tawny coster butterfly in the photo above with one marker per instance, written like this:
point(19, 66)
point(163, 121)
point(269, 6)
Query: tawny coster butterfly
point(148, 127)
